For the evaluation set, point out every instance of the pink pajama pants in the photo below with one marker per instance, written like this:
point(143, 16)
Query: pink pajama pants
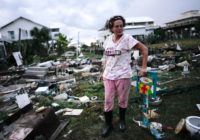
point(119, 88)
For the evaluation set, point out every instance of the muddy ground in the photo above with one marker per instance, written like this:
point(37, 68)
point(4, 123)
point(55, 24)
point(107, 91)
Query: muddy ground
point(179, 101)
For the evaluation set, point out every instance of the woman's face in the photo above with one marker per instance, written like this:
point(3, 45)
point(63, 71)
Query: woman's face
point(118, 27)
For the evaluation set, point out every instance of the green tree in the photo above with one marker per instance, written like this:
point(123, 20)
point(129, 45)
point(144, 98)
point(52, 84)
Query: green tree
point(151, 38)
point(156, 37)
point(62, 44)
point(160, 34)
point(40, 40)
point(197, 27)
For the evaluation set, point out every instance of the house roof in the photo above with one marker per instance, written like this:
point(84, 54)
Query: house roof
point(19, 18)
point(186, 15)
point(135, 20)
point(134, 27)
point(138, 19)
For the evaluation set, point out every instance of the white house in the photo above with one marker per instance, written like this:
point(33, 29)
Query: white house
point(184, 25)
point(138, 27)
point(19, 29)
point(54, 32)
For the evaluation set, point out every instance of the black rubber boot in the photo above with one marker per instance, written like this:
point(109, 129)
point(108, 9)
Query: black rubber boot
point(122, 124)
point(108, 124)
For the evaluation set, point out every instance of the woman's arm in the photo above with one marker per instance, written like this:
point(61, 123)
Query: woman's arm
point(103, 65)
point(144, 51)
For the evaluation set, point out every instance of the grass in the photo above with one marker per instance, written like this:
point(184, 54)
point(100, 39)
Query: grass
point(92, 55)
point(186, 43)
point(179, 101)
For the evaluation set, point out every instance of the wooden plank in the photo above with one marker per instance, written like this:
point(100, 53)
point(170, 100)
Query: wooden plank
point(58, 130)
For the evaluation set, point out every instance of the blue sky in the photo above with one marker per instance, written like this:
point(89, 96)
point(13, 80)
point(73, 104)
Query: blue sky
point(87, 16)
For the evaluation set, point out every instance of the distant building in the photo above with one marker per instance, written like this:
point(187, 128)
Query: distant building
point(138, 27)
point(76, 44)
point(19, 29)
point(3, 57)
point(184, 25)
point(54, 33)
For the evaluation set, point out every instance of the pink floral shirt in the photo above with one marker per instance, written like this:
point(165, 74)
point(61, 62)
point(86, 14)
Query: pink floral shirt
point(117, 57)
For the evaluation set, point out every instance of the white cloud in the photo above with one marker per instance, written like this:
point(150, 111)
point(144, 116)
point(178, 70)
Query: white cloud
point(88, 16)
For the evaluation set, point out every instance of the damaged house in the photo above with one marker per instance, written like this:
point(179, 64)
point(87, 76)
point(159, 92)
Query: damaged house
point(19, 29)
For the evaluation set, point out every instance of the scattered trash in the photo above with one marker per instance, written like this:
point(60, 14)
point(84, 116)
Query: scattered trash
point(59, 111)
point(155, 101)
point(20, 133)
point(151, 114)
point(164, 62)
point(22, 100)
point(180, 126)
point(93, 98)
point(178, 48)
point(18, 58)
point(102, 117)
point(40, 109)
point(46, 64)
point(155, 125)
point(62, 96)
point(62, 125)
point(55, 104)
point(198, 106)
point(182, 64)
point(73, 112)
point(137, 122)
point(157, 134)
point(163, 67)
point(165, 128)
point(193, 125)
point(185, 70)
point(68, 133)
point(42, 90)
point(166, 82)
point(84, 99)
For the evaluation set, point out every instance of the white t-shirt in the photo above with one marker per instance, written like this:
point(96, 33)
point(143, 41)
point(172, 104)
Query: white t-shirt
point(117, 57)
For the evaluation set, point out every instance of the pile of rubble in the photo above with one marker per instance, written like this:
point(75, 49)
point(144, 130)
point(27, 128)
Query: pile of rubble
point(23, 97)
point(22, 87)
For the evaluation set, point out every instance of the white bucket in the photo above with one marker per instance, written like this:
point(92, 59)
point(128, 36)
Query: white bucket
point(193, 125)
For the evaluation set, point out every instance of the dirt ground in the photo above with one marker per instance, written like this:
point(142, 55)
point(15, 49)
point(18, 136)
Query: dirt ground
point(179, 101)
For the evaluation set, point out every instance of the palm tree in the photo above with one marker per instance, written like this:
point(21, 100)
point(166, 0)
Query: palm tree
point(40, 40)
point(62, 44)
point(197, 27)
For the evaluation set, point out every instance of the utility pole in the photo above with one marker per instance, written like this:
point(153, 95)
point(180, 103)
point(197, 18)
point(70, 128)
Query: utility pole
point(19, 40)
point(77, 49)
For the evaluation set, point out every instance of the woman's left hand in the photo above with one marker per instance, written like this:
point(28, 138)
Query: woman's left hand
point(142, 73)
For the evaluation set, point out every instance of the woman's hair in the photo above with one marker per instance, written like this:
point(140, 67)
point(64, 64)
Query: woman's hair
point(111, 21)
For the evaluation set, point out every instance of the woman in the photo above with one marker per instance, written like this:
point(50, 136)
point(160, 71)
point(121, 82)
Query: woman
point(117, 70)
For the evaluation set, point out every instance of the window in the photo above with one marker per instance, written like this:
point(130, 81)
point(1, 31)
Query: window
point(129, 24)
point(139, 23)
point(24, 33)
point(11, 34)
point(56, 35)
point(55, 29)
